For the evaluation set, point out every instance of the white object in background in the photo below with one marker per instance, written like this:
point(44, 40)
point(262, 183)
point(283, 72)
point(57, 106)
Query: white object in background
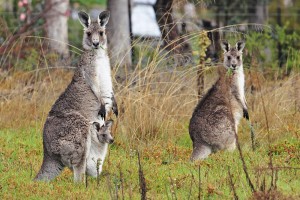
point(143, 19)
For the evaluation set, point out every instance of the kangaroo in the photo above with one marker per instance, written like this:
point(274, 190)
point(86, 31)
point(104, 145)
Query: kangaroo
point(73, 145)
point(101, 137)
point(216, 117)
point(89, 95)
point(99, 79)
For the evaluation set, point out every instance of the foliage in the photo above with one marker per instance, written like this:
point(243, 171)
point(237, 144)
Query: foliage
point(89, 3)
point(265, 52)
point(31, 61)
point(289, 42)
point(293, 59)
point(203, 44)
point(289, 14)
point(75, 30)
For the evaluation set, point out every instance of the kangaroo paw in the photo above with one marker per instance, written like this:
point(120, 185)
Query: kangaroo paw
point(102, 111)
point(245, 114)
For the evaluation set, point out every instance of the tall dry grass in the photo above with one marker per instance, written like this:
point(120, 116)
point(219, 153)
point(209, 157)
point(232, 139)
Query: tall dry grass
point(156, 100)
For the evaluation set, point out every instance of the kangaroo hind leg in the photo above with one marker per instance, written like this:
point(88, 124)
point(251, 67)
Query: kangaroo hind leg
point(80, 169)
point(79, 172)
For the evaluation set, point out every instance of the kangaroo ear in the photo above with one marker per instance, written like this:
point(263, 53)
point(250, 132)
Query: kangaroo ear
point(225, 46)
point(103, 18)
point(84, 19)
point(109, 124)
point(97, 126)
point(240, 45)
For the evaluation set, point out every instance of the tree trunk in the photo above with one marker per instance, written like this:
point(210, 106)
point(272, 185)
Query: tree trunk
point(169, 30)
point(118, 27)
point(56, 26)
point(258, 12)
point(279, 45)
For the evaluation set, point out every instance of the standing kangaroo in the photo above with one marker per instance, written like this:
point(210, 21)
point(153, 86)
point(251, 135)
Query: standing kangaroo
point(89, 94)
point(215, 119)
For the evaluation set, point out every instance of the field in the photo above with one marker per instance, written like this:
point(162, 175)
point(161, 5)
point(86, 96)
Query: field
point(152, 144)
point(150, 158)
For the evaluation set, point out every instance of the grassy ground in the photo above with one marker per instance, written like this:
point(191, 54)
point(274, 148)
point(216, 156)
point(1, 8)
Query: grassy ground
point(168, 173)
point(155, 111)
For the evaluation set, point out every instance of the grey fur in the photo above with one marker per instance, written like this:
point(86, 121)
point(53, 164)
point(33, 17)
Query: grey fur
point(215, 119)
point(66, 136)
point(65, 139)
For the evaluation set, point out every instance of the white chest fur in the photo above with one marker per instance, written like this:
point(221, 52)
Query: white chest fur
point(240, 85)
point(103, 78)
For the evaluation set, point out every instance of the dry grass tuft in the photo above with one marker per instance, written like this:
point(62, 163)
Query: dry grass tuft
point(155, 103)
point(280, 101)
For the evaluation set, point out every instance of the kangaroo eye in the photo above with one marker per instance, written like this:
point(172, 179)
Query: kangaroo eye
point(228, 57)
point(238, 57)
point(89, 34)
point(101, 33)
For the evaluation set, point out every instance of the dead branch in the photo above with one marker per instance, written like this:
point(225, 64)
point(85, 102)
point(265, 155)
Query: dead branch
point(199, 185)
point(244, 164)
point(276, 168)
point(143, 188)
point(24, 29)
point(232, 184)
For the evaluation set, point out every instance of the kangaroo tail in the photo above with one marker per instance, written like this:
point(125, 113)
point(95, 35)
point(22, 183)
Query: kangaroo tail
point(49, 169)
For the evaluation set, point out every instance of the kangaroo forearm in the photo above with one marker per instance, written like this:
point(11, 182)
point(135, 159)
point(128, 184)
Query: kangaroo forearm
point(110, 104)
point(245, 109)
point(246, 114)
point(115, 106)
point(92, 85)
point(243, 103)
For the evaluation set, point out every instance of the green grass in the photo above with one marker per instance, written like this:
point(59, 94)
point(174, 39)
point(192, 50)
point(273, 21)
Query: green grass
point(166, 167)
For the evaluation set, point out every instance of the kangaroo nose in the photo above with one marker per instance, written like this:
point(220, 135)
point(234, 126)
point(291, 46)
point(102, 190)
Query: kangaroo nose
point(96, 44)
point(111, 141)
point(233, 66)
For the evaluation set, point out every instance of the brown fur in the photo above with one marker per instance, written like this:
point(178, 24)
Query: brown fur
point(215, 119)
